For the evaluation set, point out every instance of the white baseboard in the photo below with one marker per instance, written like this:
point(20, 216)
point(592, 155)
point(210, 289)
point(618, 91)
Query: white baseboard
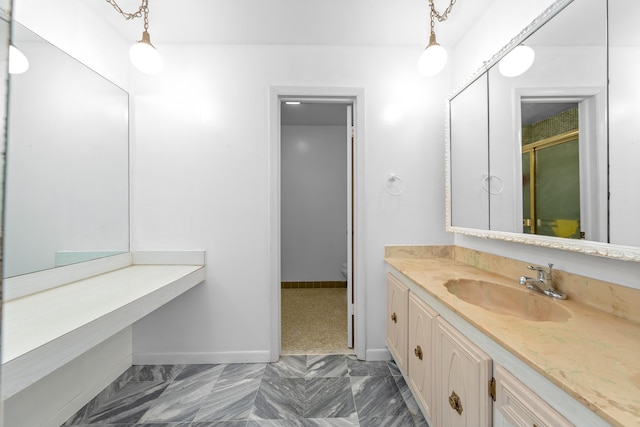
point(201, 358)
point(377, 354)
point(227, 357)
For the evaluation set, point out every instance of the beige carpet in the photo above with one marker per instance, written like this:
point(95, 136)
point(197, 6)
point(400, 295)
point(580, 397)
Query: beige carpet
point(314, 321)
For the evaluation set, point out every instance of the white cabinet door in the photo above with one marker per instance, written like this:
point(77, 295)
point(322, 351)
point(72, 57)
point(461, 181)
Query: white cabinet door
point(420, 353)
point(521, 407)
point(397, 310)
point(463, 372)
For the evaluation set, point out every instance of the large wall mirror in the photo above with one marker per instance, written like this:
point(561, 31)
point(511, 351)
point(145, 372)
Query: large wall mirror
point(67, 182)
point(558, 165)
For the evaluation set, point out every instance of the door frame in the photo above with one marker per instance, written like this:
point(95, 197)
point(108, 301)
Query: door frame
point(353, 95)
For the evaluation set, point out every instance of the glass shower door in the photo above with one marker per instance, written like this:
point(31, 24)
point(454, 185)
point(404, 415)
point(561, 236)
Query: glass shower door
point(551, 187)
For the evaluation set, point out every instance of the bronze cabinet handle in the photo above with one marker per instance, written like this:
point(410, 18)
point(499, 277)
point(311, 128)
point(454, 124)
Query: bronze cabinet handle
point(394, 318)
point(456, 404)
point(418, 352)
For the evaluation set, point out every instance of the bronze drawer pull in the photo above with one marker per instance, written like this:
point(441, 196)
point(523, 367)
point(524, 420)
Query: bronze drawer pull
point(456, 404)
point(418, 352)
point(394, 318)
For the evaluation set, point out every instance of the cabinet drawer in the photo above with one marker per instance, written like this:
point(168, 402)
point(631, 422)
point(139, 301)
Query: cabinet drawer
point(522, 407)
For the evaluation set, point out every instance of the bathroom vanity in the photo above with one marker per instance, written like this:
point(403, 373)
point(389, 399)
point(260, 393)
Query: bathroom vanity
point(478, 349)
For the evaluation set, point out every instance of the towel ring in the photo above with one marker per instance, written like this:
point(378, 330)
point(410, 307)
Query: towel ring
point(388, 183)
point(486, 185)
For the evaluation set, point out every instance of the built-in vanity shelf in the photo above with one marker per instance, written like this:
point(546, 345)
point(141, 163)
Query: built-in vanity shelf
point(563, 363)
point(46, 329)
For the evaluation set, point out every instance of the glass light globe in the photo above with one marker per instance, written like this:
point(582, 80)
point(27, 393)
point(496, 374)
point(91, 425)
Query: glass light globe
point(432, 60)
point(517, 61)
point(18, 62)
point(145, 57)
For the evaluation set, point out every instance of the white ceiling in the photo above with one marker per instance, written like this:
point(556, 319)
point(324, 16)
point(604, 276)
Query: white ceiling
point(314, 114)
point(533, 112)
point(318, 22)
point(297, 22)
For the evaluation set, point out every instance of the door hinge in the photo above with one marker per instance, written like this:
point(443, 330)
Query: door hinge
point(492, 388)
point(352, 310)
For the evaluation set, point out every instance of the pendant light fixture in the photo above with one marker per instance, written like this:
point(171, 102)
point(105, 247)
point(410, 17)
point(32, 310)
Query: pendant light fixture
point(18, 62)
point(434, 57)
point(143, 54)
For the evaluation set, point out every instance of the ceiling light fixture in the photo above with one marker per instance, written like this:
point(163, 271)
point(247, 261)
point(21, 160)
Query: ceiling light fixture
point(143, 54)
point(434, 57)
point(516, 62)
point(18, 62)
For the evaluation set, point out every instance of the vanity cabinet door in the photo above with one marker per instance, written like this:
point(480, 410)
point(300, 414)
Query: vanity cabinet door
point(463, 372)
point(397, 301)
point(421, 324)
point(521, 407)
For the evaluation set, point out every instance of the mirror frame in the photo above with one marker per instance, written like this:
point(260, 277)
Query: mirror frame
point(608, 250)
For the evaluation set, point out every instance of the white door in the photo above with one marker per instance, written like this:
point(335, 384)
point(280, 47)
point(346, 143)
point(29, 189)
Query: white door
point(351, 141)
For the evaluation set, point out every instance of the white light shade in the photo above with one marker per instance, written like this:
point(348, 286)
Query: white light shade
point(517, 61)
point(432, 60)
point(145, 57)
point(18, 62)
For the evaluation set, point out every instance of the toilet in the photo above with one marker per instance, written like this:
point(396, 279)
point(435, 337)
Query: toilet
point(344, 270)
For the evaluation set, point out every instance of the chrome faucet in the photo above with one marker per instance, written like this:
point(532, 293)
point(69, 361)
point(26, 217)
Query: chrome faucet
point(543, 283)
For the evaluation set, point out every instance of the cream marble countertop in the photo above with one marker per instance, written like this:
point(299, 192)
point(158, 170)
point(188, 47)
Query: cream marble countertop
point(594, 356)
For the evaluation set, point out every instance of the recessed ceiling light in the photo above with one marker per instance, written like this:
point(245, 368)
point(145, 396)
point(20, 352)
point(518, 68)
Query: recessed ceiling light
point(292, 102)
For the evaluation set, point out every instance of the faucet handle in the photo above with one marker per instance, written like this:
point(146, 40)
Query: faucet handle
point(539, 268)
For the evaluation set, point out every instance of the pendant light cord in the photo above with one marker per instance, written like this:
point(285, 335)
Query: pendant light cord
point(142, 12)
point(435, 14)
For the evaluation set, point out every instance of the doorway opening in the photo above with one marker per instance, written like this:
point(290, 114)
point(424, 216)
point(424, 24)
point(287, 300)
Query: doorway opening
point(551, 170)
point(563, 168)
point(317, 142)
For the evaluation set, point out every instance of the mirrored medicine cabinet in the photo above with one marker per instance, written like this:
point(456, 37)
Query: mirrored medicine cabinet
point(550, 157)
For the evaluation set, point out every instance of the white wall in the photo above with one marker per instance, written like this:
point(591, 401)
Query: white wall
point(481, 43)
point(73, 26)
point(314, 202)
point(200, 180)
